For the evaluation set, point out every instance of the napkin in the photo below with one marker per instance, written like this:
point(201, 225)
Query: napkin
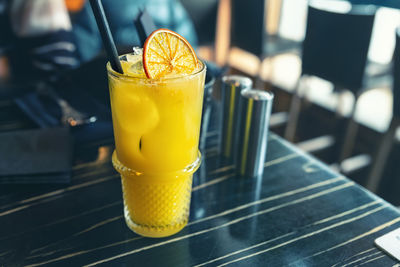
point(36, 156)
point(46, 113)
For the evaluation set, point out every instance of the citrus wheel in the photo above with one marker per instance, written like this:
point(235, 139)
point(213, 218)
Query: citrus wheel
point(167, 53)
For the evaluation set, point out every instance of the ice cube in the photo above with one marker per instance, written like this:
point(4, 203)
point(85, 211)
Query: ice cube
point(133, 58)
point(123, 58)
point(137, 50)
point(136, 67)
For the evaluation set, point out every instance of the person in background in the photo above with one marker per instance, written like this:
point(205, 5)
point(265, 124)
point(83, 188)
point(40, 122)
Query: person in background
point(40, 40)
point(44, 37)
point(120, 15)
point(54, 53)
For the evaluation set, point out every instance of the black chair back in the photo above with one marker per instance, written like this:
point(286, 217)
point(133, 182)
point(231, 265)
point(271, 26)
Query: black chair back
point(248, 27)
point(336, 45)
point(5, 28)
point(396, 76)
point(204, 16)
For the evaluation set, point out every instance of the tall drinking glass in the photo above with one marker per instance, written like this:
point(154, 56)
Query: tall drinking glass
point(156, 130)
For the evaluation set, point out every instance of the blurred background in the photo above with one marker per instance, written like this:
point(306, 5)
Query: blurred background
point(334, 67)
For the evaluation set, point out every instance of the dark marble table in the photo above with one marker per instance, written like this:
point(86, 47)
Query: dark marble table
point(299, 213)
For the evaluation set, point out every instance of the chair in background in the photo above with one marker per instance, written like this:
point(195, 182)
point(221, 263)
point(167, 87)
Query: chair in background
point(5, 28)
point(204, 15)
point(248, 31)
point(385, 146)
point(335, 49)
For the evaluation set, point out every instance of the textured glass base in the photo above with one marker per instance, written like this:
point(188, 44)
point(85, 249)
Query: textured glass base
point(156, 204)
point(153, 231)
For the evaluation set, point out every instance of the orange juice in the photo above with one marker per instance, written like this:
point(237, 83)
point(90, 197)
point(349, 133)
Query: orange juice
point(156, 130)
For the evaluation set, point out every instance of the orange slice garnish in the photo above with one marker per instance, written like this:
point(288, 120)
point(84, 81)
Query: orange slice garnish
point(167, 53)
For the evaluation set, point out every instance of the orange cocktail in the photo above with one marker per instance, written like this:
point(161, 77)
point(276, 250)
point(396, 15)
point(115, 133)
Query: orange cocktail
point(156, 127)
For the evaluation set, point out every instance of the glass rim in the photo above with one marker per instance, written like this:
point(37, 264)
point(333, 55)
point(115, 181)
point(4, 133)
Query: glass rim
point(118, 75)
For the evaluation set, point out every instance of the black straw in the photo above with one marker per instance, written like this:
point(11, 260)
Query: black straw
point(105, 33)
point(144, 25)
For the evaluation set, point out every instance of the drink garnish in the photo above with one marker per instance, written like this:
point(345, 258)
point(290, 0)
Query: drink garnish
point(167, 53)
